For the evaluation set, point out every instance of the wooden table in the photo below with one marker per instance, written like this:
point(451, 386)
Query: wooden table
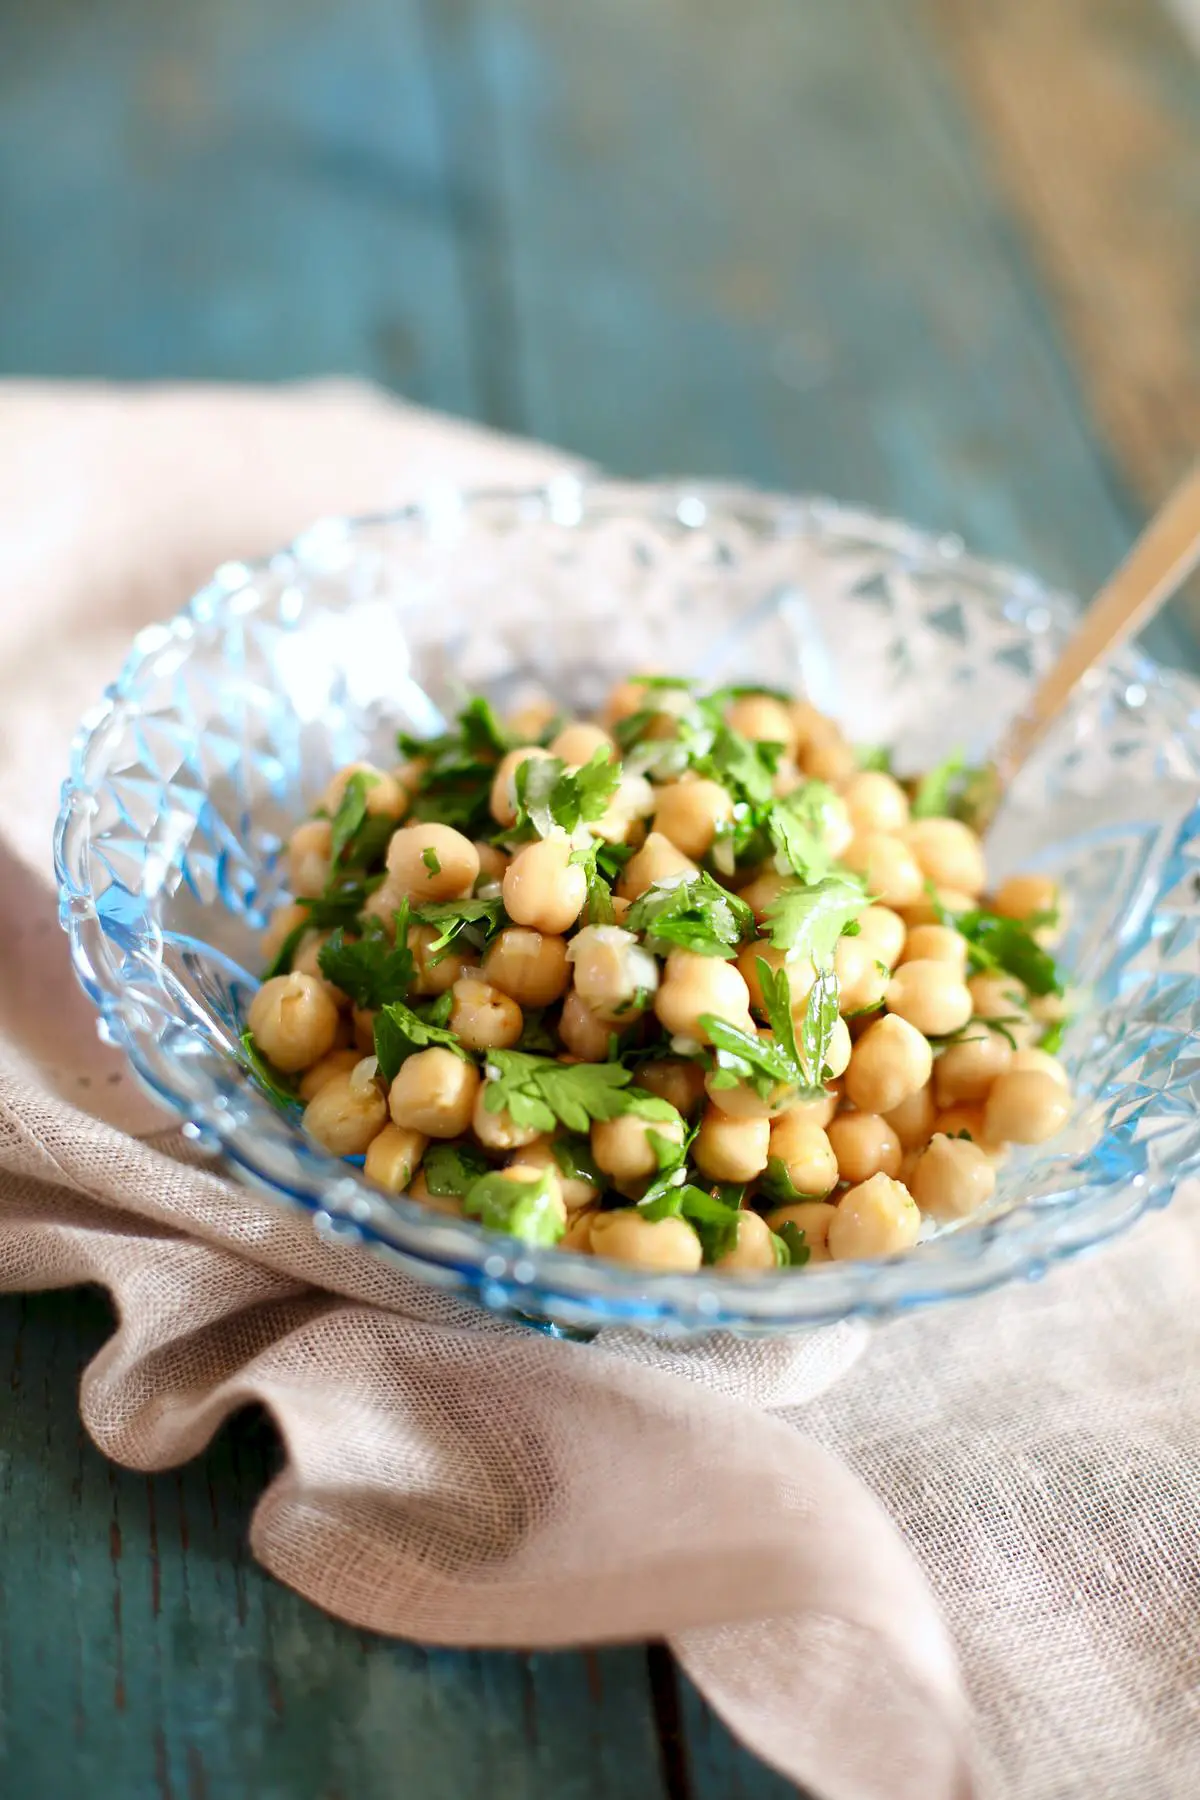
point(937, 257)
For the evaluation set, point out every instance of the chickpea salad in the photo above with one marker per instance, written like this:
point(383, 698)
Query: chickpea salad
point(695, 983)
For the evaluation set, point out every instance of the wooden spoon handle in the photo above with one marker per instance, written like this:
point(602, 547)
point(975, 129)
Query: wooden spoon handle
point(1160, 562)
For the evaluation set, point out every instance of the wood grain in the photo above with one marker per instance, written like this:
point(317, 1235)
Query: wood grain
point(1089, 112)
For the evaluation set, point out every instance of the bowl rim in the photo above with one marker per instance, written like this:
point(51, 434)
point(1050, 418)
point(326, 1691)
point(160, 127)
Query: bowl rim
point(506, 1274)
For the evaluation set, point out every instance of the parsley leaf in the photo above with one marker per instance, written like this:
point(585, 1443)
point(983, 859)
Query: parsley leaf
point(793, 1252)
point(451, 1169)
point(875, 756)
point(281, 962)
point(808, 921)
point(539, 1092)
point(552, 797)
point(598, 908)
point(373, 970)
point(1001, 946)
point(951, 790)
point(796, 827)
point(714, 1220)
point(1051, 1040)
point(400, 1033)
point(523, 1209)
point(275, 1086)
point(535, 1033)
point(777, 1184)
point(481, 731)
point(432, 861)
point(575, 1161)
point(351, 812)
point(695, 914)
point(741, 1057)
point(476, 920)
point(341, 901)
point(817, 1026)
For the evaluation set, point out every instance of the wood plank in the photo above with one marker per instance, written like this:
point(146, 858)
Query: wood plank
point(232, 191)
point(143, 1654)
point(1089, 111)
point(761, 241)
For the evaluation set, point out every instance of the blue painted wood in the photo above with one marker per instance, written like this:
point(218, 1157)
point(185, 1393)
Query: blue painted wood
point(143, 1655)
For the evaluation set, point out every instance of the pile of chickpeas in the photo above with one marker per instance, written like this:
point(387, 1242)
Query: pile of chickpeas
point(923, 1096)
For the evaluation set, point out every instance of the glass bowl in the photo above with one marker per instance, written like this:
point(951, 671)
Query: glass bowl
point(226, 722)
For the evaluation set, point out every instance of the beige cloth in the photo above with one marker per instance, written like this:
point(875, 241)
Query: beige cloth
point(457, 1480)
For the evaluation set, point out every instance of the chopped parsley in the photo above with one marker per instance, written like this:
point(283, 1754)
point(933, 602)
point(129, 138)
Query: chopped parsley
point(351, 812)
point(400, 1032)
point(1002, 946)
point(796, 826)
point(452, 1169)
point(1051, 1040)
point(575, 1161)
point(372, 971)
point(714, 1220)
point(598, 907)
point(477, 921)
point(695, 914)
point(551, 797)
point(276, 1087)
point(875, 757)
point(525, 1209)
point(791, 1251)
point(431, 860)
point(777, 1184)
point(953, 789)
point(542, 1093)
point(807, 921)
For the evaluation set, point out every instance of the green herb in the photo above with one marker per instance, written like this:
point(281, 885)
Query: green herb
point(797, 827)
point(371, 971)
point(746, 690)
point(808, 1058)
point(455, 786)
point(791, 1249)
point(477, 921)
point(400, 1033)
point(276, 1087)
point(598, 907)
point(451, 1169)
point(743, 765)
point(281, 962)
point(742, 1057)
point(874, 756)
point(714, 1220)
point(657, 1202)
point(551, 797)
point(611, 859)
point(970, 1033)
point(523, 1209)
point(1051, 1040)
point(540, 1092)
point(351, 812)
point(778, 1185)
point(342, 900)
point(575, 1161)
point(481, 731)
point(535, 1033)
point(806, 921)
point(936, 791)
point(432, 861)
point(1000, 946)
point(696, 914)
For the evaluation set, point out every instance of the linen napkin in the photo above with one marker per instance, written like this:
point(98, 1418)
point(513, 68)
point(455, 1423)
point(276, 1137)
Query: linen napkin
point(462, 1481)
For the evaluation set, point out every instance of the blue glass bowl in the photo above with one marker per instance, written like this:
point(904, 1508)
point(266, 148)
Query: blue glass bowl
point(227, 721)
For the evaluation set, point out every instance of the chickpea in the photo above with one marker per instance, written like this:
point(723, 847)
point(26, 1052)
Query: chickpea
point(884, 930)
point(543, 888)
point(529, 966)
point(877, 1218)
point(876, 803)
point(503, 799)
point(614, 976)
point(383, 905)
point(393, 1157)
point(865, 1145)
point(436, 975)
point(732, 1149)
point(432, 862)
point(765, 888)
point(410, 774)
point(632, 801)
point(434, 1092)
point(829, 759)
point(577, 1193)
point(817, 1109)
point(762, 719)
point(657, 860)
point(517, 1170)
point(1023, 896)
point(492, 862)
point(665, 1245)
point(584, 1035)
point(787, 778)
point(912, 1121)
point(623, 1146)
point(967, 1069)
point(888, 866)
point(386, 798)
point(968, 1119)
point(930, 995)
point(841, 1048)
point(578, 742)
point(309, 856)
point(949, 853)
point(482, 1018)
point(675, 1080)
point(813, 1218)
point(801, 975)
point(1042, 1063)
point(306, 961)
point(753, 1248)
point(347, 1112)
point(284, 920)
point(890, 1061)
point(293, 1019)
point(334, 1062)
point(364, 1029)
point(742, 1101)
point(936, 943)
point(1026, 1106)
point(499, 1130)
point(1003, 997)
point(627, 698)
point(952, 1179)
point(689, 812)
point(450, 1204)
point(528, 722)
point(578, 1235)
point(928, 911)
point(806, 1152)
point(695, 985)
point(862, 978)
